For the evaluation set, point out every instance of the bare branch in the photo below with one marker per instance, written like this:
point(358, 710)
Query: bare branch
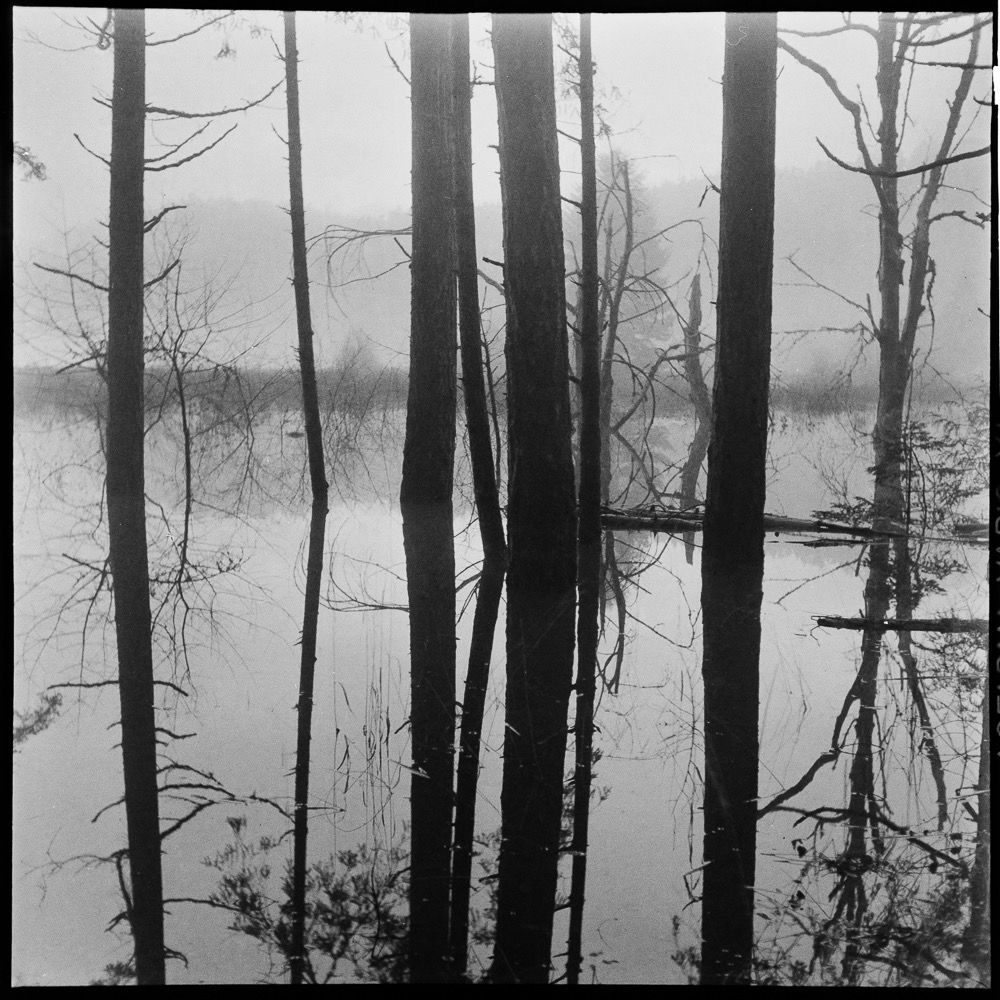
point(395, 65)
point(850, 106)
point(98, 156)
point(193, 31)
point(193, 156)
point(173, 113)
point(147, 226)
point(180, 145)
point(975, 26)
point(847, 26)
point(162, 274)
point(950, 65)
point(874, 172)
point(72, 276)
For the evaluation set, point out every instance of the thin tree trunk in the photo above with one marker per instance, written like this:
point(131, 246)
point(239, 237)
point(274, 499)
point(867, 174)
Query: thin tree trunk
point(541, 514)
point(589, 537)
point(976, 943)
point(126, 493)
point(733, 553)
point(426, 496)
point(317, 522)
point(487, 504)
point(702, 403)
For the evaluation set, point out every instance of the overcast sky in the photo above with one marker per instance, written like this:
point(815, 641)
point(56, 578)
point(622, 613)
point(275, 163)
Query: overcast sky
point(659, 77)
point(659, 73)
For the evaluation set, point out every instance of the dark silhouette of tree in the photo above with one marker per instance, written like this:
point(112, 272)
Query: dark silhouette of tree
point(487, 498)
point(126, 492)
point(541, 515)
point(317, 522)
point(733, 548)
point(426, 495)
point(589, 507)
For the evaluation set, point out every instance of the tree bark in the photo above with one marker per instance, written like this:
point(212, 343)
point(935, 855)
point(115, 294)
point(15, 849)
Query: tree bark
point(126, 493)
point(589, 507)
point(317, 523)
point(426, 496)
point(487, 504)
point(541, 515)
point(733, 552)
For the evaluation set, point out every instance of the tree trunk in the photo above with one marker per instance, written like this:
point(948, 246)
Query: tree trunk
point(487, 504)
point(976, 943)
point(733, 553)
point(541, 515)
point(317, 523)
point(426, 496)
point(589, 538)
point(127, 496)
point(702, 403)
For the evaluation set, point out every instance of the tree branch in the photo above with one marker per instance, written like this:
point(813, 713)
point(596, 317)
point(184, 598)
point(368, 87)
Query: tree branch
point(193, 31)
point(173, 113)
point(72, 276)
point(98, 156)
point(874, 172)
point(193, 156)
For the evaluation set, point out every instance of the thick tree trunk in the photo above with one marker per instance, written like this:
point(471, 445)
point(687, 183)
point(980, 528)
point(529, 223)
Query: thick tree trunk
point(541, 580)
point(589, 539)
point(317, 524)
point(426, 496)
point(126, 493)
point(733, 553)
point(487, 504)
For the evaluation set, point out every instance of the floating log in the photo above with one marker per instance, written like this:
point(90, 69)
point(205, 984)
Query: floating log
point(977, 625)
point(663, 519)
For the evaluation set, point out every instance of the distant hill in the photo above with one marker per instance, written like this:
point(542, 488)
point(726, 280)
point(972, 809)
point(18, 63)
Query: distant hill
point(824, 221)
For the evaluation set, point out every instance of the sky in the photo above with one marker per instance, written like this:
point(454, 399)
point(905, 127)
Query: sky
point(659, 73)
point(658, 77)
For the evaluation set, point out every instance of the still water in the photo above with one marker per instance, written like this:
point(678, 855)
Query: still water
point(238, 664)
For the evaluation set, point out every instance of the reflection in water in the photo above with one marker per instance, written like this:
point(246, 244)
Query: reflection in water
point(834, 903)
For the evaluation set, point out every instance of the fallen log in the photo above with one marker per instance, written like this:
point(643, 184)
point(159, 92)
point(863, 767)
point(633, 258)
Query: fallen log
point(656, 519)
point(954, 625)
point(663, 519)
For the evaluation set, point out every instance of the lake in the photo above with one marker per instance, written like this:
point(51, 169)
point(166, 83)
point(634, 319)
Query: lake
point(230, 645)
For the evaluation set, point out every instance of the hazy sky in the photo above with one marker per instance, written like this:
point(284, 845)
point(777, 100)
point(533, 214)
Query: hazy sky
point(660, 75)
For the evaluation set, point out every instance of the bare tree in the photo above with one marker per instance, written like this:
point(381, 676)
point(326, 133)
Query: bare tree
point(733, 552)
point(317, 524)
point(487, 499)
point(426, 496)
point(541, 515)
point(589, 508)
point(126, 492)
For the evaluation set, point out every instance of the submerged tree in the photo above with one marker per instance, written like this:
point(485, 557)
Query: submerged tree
point(426, 496)
point(126, 492)
point(733, 552)
point(590, 496)
point(487, 497)
point(317, 524)
point(541, 515)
